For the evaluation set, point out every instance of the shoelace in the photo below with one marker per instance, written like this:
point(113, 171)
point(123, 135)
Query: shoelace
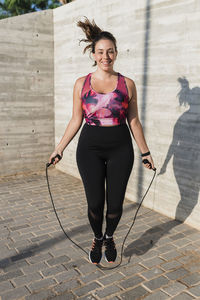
point(96, 245)
point(109, 243)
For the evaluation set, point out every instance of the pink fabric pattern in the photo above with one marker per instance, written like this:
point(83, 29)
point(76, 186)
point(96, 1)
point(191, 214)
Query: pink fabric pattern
point(105, 109)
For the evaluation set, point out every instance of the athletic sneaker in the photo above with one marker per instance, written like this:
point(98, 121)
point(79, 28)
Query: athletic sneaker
point(95, 253)
point(110, 251)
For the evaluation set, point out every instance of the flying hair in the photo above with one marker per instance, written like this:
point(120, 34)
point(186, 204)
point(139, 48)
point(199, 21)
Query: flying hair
point(93, 34)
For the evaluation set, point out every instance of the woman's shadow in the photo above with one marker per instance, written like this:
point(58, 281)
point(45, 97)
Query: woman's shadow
point(185, 150)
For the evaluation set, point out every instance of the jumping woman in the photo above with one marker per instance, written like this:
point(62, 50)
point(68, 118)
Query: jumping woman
point(106, 99)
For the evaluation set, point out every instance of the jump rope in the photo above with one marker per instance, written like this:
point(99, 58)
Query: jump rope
point(145, 161)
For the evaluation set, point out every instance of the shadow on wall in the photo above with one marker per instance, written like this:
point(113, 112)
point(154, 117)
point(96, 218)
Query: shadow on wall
point(185, 150)
point(146, 55)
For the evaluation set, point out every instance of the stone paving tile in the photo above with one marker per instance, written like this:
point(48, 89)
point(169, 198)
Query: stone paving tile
point(135, 269)
point(10, 275)
point(69, 296)
point(25, 279)
point(35, 267)
point(156, 283)
point(181, 242)
point(177, 274)
point(171, 265)
point(75, 263)
point(64, 287)
point(5, 285)
point(150, 254)
point(166, 248)
point(174, 288)
point(135, 293)
point(110, 278)
point(87, 288)
point(130, 282)
point(177, 236)
point(195, 291)
point(107, 291)
point(152, 262)
point(58, 260)
point(170, 255)
point(91, 297)
point(17, 293)
point(159, 295)
point(41, 295)
point(52, 271)
point(66, 275)
point(161, 256)
point(150, 274)
point(10, 265)
point(191, 279)
point(43, 283)
point(183, 296)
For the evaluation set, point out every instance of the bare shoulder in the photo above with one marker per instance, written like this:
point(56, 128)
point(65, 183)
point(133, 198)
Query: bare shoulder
point(79, 84)
point(131, 87)
point(79, 81)
point(129, 82)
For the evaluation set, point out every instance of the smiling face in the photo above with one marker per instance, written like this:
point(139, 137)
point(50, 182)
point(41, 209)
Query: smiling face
point(105, 54)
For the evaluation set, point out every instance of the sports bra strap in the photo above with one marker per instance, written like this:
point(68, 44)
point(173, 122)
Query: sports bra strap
point(121, 85)
point(86, 86)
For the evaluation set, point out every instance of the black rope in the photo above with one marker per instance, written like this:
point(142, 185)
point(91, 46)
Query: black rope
point(122, 248)
point(58, 217)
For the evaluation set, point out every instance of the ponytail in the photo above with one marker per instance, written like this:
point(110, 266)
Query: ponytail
point(93, 35)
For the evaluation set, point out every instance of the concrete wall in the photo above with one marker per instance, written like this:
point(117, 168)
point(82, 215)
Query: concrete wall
point(26, 92)
point(158, 43)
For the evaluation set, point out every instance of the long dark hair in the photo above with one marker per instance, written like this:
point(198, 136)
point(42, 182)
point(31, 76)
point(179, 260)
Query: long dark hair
point(93, 35)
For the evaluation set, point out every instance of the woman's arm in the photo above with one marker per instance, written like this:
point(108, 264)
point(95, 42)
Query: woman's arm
point(135, 125)
point(75, 121)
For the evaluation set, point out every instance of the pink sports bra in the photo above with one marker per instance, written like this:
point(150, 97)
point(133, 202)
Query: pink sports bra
point(105, 109)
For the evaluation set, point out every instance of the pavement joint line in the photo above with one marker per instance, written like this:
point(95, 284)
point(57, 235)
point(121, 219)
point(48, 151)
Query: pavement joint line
point(141, 258)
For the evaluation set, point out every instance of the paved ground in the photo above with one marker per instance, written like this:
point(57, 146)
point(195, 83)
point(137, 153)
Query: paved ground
point(161, 258)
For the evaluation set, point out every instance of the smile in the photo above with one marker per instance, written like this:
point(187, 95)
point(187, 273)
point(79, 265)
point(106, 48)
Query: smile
point(106, 63)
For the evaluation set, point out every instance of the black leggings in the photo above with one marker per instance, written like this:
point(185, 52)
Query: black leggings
point(105, 155)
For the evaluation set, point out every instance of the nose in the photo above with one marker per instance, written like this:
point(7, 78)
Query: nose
point(106, 55)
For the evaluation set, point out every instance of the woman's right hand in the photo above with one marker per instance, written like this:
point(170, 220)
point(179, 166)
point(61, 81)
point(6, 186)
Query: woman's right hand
point(56, 151)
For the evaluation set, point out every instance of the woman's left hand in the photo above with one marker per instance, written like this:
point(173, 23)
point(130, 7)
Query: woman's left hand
point(149, 165)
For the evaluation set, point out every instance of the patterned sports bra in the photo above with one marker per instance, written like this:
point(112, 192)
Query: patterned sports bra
point(105, 109)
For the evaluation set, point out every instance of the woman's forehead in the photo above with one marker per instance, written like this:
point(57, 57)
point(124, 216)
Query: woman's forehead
point(104, 44)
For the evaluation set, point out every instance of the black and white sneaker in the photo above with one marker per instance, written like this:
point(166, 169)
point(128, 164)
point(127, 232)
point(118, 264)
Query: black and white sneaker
point(110, 249)
point(95, 253)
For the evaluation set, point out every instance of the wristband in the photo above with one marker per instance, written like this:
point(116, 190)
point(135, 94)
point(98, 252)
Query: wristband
point(145, 154)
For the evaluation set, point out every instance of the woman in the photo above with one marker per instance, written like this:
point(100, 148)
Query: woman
point(105, 98)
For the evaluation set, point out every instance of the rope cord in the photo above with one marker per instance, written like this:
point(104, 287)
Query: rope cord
point(122, 248)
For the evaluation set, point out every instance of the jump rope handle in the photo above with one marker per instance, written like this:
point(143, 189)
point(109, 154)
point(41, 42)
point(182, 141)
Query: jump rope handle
point(145, 161)
point(52, 160)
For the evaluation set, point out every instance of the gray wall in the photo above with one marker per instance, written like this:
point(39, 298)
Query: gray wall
point(158, 43)
point(26, 92)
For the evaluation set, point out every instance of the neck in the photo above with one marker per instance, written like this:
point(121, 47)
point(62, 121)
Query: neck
point(105, 74)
